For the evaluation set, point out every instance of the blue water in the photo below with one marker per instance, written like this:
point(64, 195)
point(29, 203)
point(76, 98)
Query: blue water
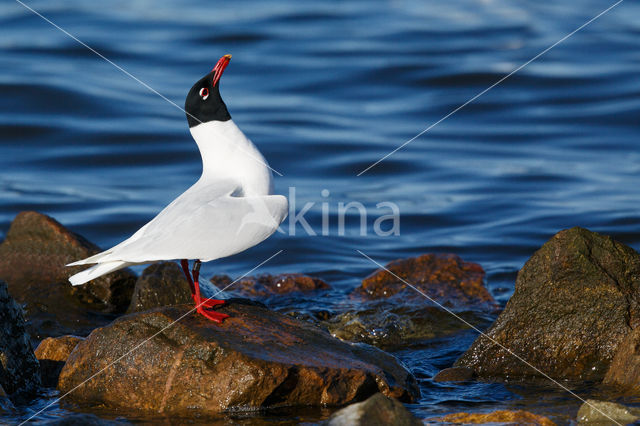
point(325, 89)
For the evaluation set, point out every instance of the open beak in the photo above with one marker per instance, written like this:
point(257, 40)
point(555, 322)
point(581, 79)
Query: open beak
point(219, 69)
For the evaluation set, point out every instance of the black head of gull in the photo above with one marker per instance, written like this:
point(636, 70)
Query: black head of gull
point(204, 103)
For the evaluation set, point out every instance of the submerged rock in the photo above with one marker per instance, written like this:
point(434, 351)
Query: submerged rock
point(519, 417)
point(32, 261)
point(454, 374)
point(269, 285)
point(161, 284)
point(392, 313)
point(19, 368)
point(256, 358)
point(575, 300)
point(594, 412)
point(52, 353)
point(390, 326)
point(376, 410)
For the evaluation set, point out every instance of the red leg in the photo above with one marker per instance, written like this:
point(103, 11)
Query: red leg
point(185, 268)
point(208, 303)
point(204, 306)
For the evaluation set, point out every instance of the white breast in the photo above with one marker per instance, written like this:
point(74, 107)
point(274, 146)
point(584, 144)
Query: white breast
point(228, 153)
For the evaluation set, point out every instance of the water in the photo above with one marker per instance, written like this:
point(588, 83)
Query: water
point(324, 90)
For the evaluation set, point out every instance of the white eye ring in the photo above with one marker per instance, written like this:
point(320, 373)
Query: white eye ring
point(204, 93)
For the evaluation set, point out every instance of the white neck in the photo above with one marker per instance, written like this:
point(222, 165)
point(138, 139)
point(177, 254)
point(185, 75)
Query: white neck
point(227, 153)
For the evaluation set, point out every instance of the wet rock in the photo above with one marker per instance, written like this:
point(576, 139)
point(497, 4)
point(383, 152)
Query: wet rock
point(19, 369)
point(594, 412)
point(393, 325)
point(443, 277)
point(575, 300)
point(624, 371)
point(256, 358)
point(454, 374)
point(6, 406)
point(518, 417)
point(52, 353)
point(32, 259)
point(391, 314)
point(376, 410)
point(161, 284)
point(269, 285)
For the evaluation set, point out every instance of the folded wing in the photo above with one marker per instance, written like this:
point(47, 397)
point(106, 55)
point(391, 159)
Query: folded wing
point(206, 222)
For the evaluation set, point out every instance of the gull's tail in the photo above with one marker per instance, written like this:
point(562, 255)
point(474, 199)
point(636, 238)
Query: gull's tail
point(90, 260)
point(97, 271)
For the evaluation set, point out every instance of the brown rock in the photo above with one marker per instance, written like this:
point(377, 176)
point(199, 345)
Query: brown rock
point(443, 277)
point(269, 285)
point(19, 369)
point(575, 300)
point(32, 259)
point(161, 284)
point(52, 353)
point(256, 358)
point(454, 374)
point(518, 417)
point(376, 410)
point(624, 370)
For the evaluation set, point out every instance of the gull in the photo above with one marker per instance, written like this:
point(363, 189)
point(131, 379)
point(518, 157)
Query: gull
point(231, 207)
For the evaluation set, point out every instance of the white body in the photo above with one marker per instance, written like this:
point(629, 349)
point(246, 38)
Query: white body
point(229, 209)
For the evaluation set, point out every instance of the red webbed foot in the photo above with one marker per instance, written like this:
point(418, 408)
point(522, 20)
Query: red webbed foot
point(203, 306)
point(214, 316)
point(208, 303)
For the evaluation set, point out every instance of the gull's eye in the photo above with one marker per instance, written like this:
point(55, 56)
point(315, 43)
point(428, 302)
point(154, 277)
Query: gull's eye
point(204, 93)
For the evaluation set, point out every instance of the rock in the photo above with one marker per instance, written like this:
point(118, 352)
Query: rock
point(376, 410)
point(624, 371)
point(454, 374)
point(596, 412)
point(443, 277)
point(52, 353)
point(19, 368)
point(256, 358)
point(391, 314)
point(6, 406)
point(575, 300)
point(519, 417)
point(392, 325)
point(269, 285)
point(161, 284)
point(32, 259)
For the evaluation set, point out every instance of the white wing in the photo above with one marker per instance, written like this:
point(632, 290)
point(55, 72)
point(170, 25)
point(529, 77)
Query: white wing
point(207, 222)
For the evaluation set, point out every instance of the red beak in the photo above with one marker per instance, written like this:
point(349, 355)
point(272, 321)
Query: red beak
point(219, 69)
